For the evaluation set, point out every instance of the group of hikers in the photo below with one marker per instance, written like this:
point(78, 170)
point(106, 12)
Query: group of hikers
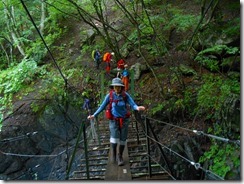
point(122, 67)
point(117, 105)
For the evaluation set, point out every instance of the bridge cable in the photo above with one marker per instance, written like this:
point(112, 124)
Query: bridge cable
point(27, 135)
point(162, 168)
point(26, 155)
point(200, 133)
point(196, 165)
point(30, 169)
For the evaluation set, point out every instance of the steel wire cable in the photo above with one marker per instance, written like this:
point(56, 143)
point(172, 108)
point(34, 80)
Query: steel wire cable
point(26, 155)
point(27, 135)
point(162, 167)
point(196, 165)
point(197, 132)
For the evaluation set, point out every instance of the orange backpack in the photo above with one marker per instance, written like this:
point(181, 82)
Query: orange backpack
point(105, 56)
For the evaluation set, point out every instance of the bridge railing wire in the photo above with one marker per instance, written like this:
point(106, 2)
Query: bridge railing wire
point(197, 132)
point(147, 126)
point(31, 170)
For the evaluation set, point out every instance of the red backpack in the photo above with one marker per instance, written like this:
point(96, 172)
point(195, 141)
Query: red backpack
point(121, 64)
point(108, 112)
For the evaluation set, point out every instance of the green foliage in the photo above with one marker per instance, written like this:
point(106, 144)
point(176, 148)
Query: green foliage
point(133, 37)
point(37, 49)
point(223, 158)
point(180, 21)
point(218, 100)
point(211, 63)
point(15, 79)
point(213, 94)
point(219, 50)
point(55, 15)
point(232, 28)
point(145, 28)
point(157, 108)
point(187, 102)
point(210, 57)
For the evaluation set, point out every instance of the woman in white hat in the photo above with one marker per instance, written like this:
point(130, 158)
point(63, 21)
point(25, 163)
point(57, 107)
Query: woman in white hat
point(119, 122)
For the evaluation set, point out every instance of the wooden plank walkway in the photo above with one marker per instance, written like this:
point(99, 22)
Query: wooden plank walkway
point(135, 162)
point(119, 173)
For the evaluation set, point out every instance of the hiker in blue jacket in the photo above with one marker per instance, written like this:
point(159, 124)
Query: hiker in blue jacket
point(118, 125)
point(87, 104)
point(96, 57)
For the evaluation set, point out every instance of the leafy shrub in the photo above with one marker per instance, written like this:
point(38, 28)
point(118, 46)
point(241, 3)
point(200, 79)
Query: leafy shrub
point(15, 79)
point(211, 57)
point(213, 94)
point(218, 100)
point(223, 159)
point(180, 20)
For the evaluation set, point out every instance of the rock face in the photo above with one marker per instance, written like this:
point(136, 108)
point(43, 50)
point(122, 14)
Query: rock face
point(35, 147)
point(138, 68)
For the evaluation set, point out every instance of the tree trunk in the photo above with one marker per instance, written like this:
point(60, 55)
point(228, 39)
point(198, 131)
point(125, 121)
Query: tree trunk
point(43, 16)
point(11, 25)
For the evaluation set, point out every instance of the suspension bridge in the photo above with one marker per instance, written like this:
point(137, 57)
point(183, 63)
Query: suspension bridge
point(137, 165)
point(141, 160)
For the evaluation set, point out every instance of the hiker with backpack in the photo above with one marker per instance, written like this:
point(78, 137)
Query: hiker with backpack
point(107, 57)
point(87, 107)
point(117, 100)
point(121, 64)
point(120, 67)
point(87, 102)
point(96, 56)
point(125, 77)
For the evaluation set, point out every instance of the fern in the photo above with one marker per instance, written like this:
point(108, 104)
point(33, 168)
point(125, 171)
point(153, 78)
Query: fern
point(180, 20)
point(211, 57)
point(214, 92)
point(223, 158)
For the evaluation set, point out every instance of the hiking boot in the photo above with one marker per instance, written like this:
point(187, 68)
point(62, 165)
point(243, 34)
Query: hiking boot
point(113, 159)
point(114, 152)
point(120, 160)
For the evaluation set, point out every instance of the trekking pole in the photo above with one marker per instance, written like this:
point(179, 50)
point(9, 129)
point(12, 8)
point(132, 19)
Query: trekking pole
point(93, 130)
point(98, 131)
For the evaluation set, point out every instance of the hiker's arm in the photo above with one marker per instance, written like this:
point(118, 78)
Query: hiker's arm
point(101, 108)
point(133, 104)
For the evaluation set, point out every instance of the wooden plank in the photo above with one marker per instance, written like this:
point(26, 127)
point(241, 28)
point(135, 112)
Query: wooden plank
point(115, 172)
point(95, 159)
point(111, 169)
point(124, 173)
point(92, 165)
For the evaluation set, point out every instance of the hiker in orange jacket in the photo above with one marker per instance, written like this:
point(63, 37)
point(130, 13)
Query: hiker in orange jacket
point(125, 77)
point(107, 57)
